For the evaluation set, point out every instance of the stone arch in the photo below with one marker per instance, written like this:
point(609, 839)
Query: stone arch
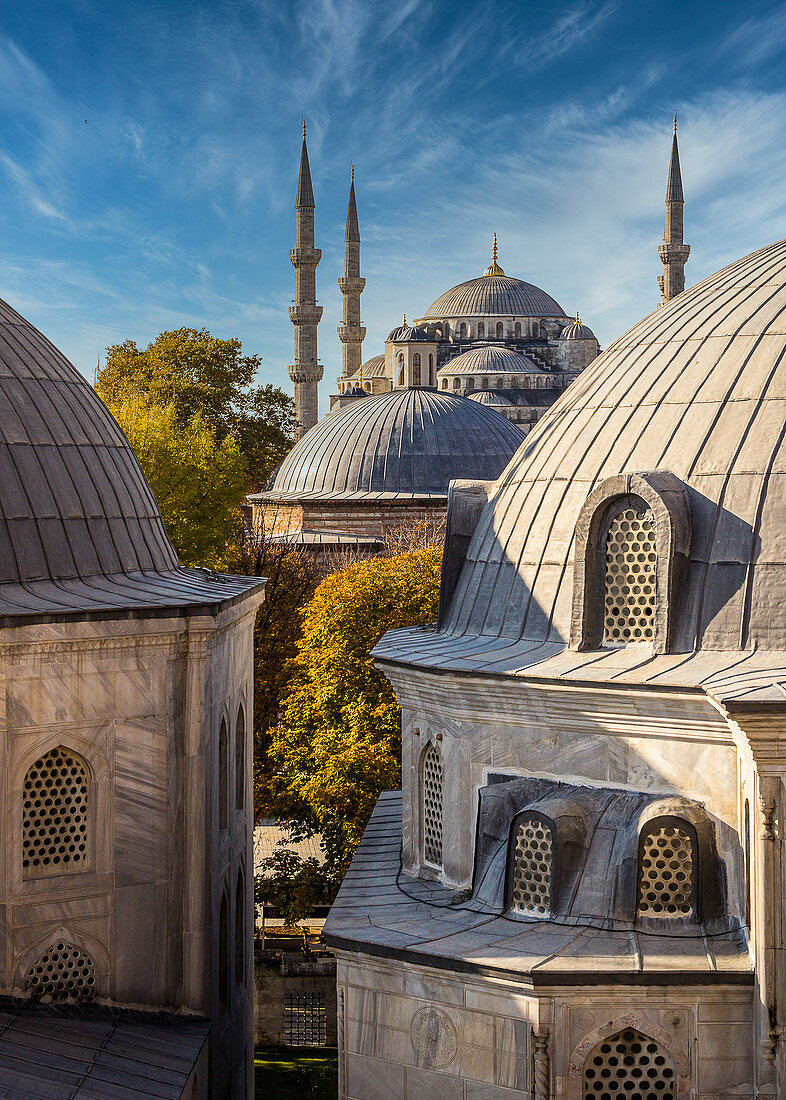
point(57, 813)
point(45, 944)
point(648, 1028)
point(240, 758)
point(666, 497)
point(531, 874)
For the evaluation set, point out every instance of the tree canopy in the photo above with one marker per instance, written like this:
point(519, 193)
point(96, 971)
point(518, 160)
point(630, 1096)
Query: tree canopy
point(199, 482)
point(197, 374)
point(339, 742)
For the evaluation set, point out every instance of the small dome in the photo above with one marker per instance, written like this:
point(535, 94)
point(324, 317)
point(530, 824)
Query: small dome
point(408, 442)
point(356, 391)
point(490, 359)
point(490, 397)
point(372, 368)
point(577, 331)
point(408, 333)
point(494, 295)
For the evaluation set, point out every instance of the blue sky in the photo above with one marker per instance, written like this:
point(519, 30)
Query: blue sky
point(149, 156)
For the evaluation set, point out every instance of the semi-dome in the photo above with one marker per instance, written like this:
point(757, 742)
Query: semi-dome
point(494, 295)
point(80, 529)
point(695, 392)
point(372, 368)
point(408, 442)
point(490, 397)
point(577, 331)
point(490, 359)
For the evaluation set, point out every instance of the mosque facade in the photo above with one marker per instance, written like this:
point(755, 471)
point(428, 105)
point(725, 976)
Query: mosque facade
point(125, 766)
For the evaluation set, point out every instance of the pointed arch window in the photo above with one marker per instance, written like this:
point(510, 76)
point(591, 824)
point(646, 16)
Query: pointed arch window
point(431, 369)
point(240, 929)
point(64, 973)
point(667, 869)
point(240, 759)
point(532, 865)
point(517, 329)
point(631, 1065)
point(481, 330)
point(416, 369)
point(431, 805)
point(55, 814)
point(630, 576)
point(462, 331)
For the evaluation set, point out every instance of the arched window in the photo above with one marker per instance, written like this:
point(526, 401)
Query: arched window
point(500, 329)
point(64, 972)
point(240, 929)
point(445, 329)
point(629, 584)
point(462, 331)
point(223, 954)
point(55, 808)
point(481, 330)
point(500, 383)
point(416, 369)
point(401, 370)
point(431, 806)
point(484, 383)
point(470, 383)
point(631, 1065)
point(223, 777)
point(444, 383)
point(456, 383)
point(240, 759)
point(532, 868)
point(667, 869)
point(517, 330)
point(431, 369)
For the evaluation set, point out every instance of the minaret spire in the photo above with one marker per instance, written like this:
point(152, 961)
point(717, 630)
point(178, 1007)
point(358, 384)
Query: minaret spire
point(350, 331)
point(305, 314)
point(673, 252)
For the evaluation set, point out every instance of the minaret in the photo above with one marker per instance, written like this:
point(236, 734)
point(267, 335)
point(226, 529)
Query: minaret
point(305, 314)
point(351, 332)
point(673, 252)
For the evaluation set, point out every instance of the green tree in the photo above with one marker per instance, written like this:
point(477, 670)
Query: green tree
point(199, 375)
point(292, 885)
point(199, 482)
point(339, 743)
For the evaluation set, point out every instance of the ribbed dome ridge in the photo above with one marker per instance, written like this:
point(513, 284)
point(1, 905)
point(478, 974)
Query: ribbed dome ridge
point(492, 359)
point(408, 442)
point(74, 502)
point(494, 295)
point(697, 388)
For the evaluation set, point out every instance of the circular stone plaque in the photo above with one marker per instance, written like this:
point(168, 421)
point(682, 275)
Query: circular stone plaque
point(434, 1039)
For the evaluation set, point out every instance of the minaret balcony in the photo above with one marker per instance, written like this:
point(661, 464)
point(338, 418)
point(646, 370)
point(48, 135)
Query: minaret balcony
point(352, 285)
point(305, 315)
point(305, 257)
point(303, 372)
point(351, 334)
point(673, 253)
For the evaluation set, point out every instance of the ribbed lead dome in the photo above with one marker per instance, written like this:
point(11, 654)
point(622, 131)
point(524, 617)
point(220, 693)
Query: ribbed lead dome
point(491, 359)
point(494, 295)
point(73, 499)
point(697, 388)
point(408, 442)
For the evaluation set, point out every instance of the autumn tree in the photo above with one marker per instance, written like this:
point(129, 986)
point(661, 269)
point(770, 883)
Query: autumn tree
point(339, 742)
point(198, 481)
point(197, 374)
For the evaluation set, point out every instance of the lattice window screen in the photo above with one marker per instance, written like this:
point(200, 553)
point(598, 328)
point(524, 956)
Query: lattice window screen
point(532, 867)
point(305, 1019)
point(432, 807)
point(629, 590)
point(55, 809)
point(632, 1066)
point(64, 972)
point(666, 872)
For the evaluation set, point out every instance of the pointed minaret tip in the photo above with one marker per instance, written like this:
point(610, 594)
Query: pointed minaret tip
point(674, 192)
point(353, 228)
point(675, 122)
point(305, 190)
point(304, 127)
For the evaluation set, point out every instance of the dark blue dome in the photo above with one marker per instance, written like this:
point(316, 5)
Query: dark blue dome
point(408, 442)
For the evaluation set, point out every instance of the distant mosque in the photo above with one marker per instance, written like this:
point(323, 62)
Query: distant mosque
point(452, 396)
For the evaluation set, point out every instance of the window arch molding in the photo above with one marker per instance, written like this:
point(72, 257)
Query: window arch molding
point(42, 855)
point(649, 1029)
point(86, 943)
point(667, 498)
point(674, 824)
point(431, 784)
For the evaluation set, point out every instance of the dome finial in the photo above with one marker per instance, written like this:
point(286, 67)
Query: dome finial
point(304, 127)
point(404, 322)
point(494, 268)
point(578, 319)
point(675, 122)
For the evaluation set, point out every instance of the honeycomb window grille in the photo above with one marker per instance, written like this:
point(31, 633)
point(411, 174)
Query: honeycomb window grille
point(630, 577)
point(629, 1065)
point(63, 973)
point(432, 806)
point(305, 1019)
point(55, 801)
point(666, 870)
point(533, 867)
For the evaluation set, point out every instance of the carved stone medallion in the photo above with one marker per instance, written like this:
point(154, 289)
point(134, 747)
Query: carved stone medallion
point(433, 1037)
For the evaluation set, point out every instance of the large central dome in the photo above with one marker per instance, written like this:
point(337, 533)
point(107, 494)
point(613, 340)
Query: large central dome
point(408, 442)
point(494, 296)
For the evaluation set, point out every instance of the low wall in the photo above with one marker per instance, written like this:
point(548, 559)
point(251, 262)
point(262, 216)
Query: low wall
point(370, 519)
point(281, 977)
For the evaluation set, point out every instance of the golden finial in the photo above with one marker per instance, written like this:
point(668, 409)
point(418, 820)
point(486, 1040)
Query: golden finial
point(494, 268)
point(578, 319)
point(352, 174)
point(304, 127)
point(675, 122)
point(404, 322)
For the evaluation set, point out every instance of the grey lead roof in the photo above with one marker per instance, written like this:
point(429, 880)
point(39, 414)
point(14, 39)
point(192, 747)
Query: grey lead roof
point(490, 359)
point(70, 1053)
point(404, 443)
point(380, 911)
point(495, 295)
point(79, 526)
